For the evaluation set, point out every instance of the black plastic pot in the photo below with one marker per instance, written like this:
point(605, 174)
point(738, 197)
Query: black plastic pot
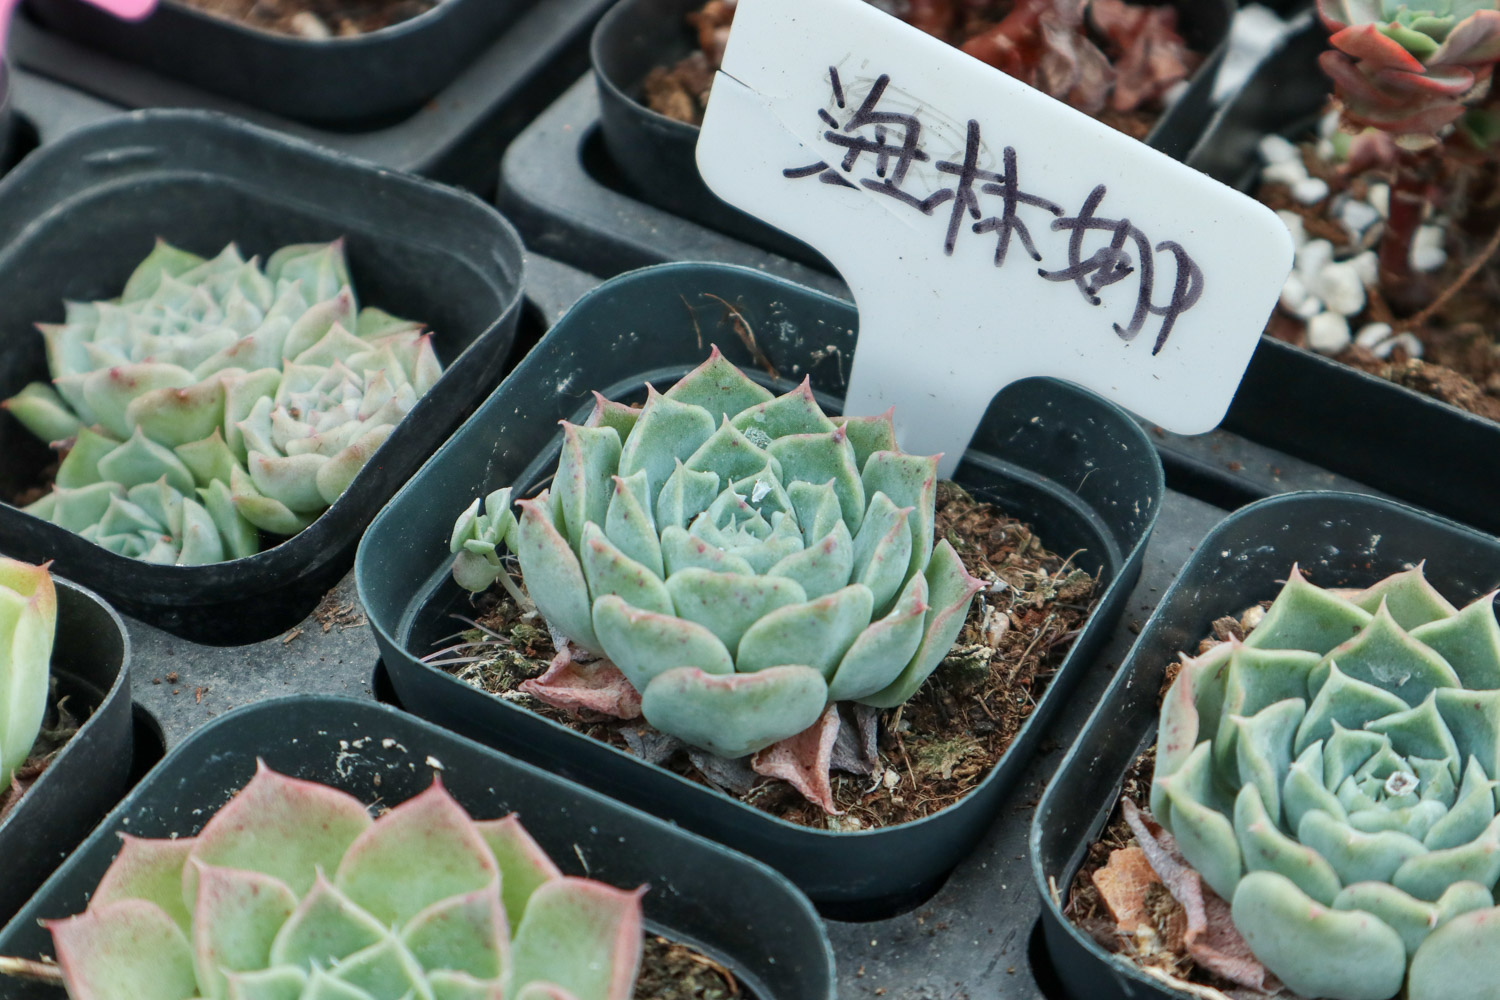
point(729, 907)
point(91, 668)
point(1076, 467)
point(1338, 540)
point(656, 153)
point(1311, 406)
point(78, 215)
point(7, 123)
point(342, 81)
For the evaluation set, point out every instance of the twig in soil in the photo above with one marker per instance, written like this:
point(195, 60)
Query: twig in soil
point(693, 315)
point(1463, 279)
point(36, 972)
point(747, 336)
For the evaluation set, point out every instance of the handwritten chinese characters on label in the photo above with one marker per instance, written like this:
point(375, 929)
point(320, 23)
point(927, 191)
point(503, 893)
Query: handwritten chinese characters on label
point(893, 141)
point(987, 232)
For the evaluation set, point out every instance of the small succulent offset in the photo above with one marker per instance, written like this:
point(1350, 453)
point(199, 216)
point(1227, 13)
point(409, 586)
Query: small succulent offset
point(214, 398)
point(292, 892)
point(1334, 777)
point(1408, 69)
point(28, 625)
point(742, 558)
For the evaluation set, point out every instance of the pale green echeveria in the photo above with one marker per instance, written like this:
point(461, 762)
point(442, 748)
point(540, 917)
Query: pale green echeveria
point(28, 624)
point(215, 394)
point(292, 892)
point(1333, 777)
point(479, 540)
point(743, 558)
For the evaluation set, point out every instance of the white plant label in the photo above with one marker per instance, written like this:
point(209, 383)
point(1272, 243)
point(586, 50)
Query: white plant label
point(988, 232)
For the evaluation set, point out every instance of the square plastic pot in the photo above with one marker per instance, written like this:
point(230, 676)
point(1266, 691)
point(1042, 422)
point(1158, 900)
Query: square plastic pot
point(1338, 540)
point(729, 907)
point(334, 81)
point(91, 669)
point(1356, 424)
point(78, 215)
point(1077, 468)
point(656, 154)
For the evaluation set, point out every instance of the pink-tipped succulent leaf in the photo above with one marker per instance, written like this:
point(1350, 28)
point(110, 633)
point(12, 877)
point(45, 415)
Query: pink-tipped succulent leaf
point(292, 891)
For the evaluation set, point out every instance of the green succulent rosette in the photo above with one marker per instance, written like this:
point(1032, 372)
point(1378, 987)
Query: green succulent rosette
point(742, 558)
point(1333, 776)
point(214, 399)
point(292, 892)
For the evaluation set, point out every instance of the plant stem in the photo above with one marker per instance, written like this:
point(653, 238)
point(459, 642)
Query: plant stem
point(1407, 203)
point(22, 968)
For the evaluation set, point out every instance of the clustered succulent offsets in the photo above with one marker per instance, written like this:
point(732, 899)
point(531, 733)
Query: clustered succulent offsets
point(1333, 776)
point(742, 558)
point(28, 626)
point(292, 892)
point(214, 398)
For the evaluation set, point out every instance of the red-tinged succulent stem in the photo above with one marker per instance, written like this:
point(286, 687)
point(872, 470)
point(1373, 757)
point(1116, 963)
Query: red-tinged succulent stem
point(1408, 202)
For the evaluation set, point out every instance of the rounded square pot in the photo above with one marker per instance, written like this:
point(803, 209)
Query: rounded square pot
point(1391, 437)
point(79, 214)
point(91, 669)
point(656, 154)
point(1338, 540)
point(1077, 468)
point(345, 82)
point(727, 906)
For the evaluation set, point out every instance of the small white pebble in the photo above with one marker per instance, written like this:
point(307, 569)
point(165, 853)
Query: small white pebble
point(1310, 307)
point(1312, 257)
point(1328, 333)
point(1368, 266)
point(1372, 335)
point(1409, 342)
point(1294, 225)
point(1294, 292)
point(1274, 149)
point(1379, 197)
point(1427, 253)
point(1174, 93)
point(1289, 173)
point(434, 763)
point(1310, 191)
point(1328, 124)
point(1327, 151)
point(1340, 289)
point(1357, 216)
point(890, 779)
point(309, 25)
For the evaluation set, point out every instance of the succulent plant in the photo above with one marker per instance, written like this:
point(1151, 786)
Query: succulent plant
point(212, 399)
point(1334, 777)
point(292, 892)
point(28, 624)
point(1407, 69)
point(742, 558)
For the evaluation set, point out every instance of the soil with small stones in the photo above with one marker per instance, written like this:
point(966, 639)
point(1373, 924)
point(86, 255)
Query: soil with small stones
point(672, 971)
point(680, 91)
point(58, 727)
point(1086, 908)
point(1460, 362)
point(942, 742)
point(316, 18)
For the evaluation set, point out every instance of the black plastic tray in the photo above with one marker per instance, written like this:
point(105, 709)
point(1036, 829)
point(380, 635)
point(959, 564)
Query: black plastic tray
point(91, 668)
point(656, 154)
point(1338, 540)
point(1314, 407)
point(77, 217)
point(1074, 466)
point(456, 136)
point(341, 81)
point(744, 915)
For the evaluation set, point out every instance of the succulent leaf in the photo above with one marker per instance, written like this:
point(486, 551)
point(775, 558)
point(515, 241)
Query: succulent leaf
point(28, 626)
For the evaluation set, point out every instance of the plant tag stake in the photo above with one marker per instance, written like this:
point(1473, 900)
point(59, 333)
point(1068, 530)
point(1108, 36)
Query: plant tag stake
point(988, 232)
